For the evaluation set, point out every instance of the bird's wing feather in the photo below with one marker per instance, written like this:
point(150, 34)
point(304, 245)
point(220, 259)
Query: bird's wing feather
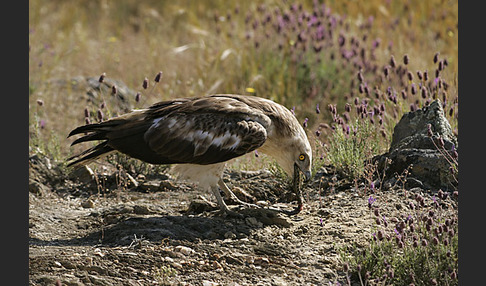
point(202, 130)
point(204, 138)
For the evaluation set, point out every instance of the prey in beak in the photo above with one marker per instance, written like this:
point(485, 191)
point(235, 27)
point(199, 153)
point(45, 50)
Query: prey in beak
point(299, 175)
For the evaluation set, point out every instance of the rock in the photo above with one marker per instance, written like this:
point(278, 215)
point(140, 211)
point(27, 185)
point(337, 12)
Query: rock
point(413, 154)
point(411, 131)
point(42, 170)
point(149, 186)
point(87, 204)
point(37, 187)
point(229, 234)
point(83, 174)
point(184, 250)
point(166, 185)
point(201, 205)
point(209, 283)
point(261, 261)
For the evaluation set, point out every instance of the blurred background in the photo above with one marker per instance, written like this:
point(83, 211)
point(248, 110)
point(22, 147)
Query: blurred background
point(342, 66)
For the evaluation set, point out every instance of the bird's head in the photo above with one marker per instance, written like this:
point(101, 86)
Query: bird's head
point(299, 158)
point(293, 154)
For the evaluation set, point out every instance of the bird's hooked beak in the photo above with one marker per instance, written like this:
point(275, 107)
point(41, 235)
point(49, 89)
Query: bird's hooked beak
point(307, 176)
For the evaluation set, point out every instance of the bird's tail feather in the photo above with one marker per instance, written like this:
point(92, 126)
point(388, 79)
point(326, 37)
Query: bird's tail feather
point(100, 129)
point(95, 131)
point(90, 155)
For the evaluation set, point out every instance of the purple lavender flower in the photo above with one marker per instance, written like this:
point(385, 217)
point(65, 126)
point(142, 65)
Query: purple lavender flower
point(406, 59)
point(397, 233)
point(371, 200)
point(436, 57)
point(158, 76)
point(385, 222)
point(102, 77)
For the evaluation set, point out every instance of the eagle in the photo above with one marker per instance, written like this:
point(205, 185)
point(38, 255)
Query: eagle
point(200, 134)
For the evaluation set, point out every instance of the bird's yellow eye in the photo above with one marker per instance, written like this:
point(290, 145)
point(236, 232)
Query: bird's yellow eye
point(301, 157)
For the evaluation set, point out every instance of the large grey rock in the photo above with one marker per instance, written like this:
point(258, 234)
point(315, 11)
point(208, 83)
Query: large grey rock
point(411, 131)
point(412, 148)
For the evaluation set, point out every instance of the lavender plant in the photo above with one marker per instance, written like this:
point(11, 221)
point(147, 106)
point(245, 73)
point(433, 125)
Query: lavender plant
point(419, 246)
point(304, 57)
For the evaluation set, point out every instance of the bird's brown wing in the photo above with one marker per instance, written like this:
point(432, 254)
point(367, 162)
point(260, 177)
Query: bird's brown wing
point(205, 138)
point(199, 131)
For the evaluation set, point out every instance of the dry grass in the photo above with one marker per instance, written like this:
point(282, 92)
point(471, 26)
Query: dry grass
point(201, 50)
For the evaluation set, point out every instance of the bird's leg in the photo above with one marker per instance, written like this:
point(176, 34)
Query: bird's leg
point(222, 205)
point(232, 196)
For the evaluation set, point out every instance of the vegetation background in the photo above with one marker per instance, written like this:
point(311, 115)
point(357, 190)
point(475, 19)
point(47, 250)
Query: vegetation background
point(255, 47)
point(348, 69)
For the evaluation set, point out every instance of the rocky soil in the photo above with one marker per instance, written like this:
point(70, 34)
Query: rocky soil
point(111, 227)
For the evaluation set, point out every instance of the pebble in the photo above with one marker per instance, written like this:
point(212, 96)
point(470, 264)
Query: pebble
point(184, 250)
point(261, 261)
point(230, 235)
point(83, 174)
point(88, 204)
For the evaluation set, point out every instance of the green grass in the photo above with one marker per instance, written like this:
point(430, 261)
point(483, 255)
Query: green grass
point(351, 152)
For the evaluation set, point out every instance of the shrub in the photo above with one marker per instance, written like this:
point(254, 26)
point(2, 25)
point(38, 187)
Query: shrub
point(419, 247)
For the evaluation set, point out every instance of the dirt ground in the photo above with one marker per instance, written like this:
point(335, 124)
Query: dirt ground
point(120, 230)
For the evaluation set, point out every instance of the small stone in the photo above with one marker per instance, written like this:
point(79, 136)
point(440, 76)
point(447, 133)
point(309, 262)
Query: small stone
point(261, 261)
point(230, 235)
point(209, 283)
point(216, 265)
point(83, 174)
point(98, 252)
point(198, 206)
point(167, 185)
point(184, 250)
point(37, 188)
point(176, 265)
point(88, 204)
point(149, 186)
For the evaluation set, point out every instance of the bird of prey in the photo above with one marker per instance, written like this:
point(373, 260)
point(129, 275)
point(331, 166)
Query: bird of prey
point(200, 135)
